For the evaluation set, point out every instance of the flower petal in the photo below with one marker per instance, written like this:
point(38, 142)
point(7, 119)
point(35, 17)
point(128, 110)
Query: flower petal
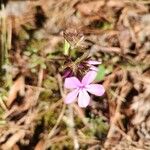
point(71, 97)
point(95, 89)
point(93, 62)
point(89, 77)
point(83, 99)
point(93, 68)
point(71, 83)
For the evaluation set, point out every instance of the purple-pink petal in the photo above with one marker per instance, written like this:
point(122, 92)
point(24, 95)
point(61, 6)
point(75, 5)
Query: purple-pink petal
point(71, 97)
point(71, 83)
point(93, 68)
point(83, 99)
point(95, 89)
point(89, 77)
point(93, 62)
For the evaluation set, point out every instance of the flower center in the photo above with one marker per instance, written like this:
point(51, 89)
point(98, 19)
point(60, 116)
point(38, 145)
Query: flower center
point(81, 86)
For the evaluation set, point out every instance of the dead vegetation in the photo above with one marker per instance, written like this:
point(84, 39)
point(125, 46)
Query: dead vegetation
point(32, 112)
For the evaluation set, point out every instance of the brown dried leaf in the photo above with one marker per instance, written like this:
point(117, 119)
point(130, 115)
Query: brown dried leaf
point(29, 101)
point(90, 7)
point(40, 145)
point(18, 86)
point(13, 140)
point(15, 147)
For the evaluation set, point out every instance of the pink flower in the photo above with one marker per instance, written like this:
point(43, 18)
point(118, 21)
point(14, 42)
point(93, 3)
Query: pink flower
point(80, 89)
point(92, 64)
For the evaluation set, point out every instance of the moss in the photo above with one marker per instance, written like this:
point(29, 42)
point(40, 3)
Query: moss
point(50, 83)
point(35, 46)
point(78, 122)
point(99, 128)
point(50, 118)
point(45, 95)
point(36, 61)
point(65, 145)
point(23, 35)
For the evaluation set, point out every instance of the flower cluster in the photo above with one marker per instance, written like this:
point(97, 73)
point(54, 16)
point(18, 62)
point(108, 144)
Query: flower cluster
point(80, 89)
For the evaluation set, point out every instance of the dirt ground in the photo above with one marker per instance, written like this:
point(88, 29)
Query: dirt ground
point(40, 39)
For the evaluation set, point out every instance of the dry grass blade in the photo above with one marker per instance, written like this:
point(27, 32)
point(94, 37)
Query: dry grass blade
point(52, 132)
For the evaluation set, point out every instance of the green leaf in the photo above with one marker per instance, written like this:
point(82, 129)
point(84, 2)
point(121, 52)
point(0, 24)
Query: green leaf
point(73, 53)
point(107, 26)
point(2, 122)
point(101, 73)
point(66, 48)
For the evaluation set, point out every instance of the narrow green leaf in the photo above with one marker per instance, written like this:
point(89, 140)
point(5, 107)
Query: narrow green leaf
point(101, 73)
point(66, 48)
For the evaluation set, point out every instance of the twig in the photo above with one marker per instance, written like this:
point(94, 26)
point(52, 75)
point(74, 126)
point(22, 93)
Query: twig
point(57, 139)
point(97, 48)
point(138, 1)
point(3, 105)
point(81, 115)
point(57, 122)
point(116, 118)
point(71, 125)
point(63, 109)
